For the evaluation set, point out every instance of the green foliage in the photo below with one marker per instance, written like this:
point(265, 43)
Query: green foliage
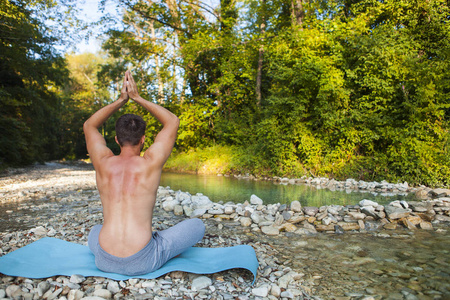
point(30, 74)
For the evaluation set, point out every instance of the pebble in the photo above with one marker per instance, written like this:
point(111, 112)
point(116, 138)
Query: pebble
point(201, 283)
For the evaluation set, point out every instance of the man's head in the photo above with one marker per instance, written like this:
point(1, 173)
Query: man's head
point(129, 130)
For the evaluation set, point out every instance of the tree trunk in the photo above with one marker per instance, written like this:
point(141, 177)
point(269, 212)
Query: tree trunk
point(158, 73)
point(298, 13)
point(262, 27)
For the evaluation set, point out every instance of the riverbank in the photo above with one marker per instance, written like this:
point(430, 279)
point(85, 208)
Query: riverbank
point(61, 201)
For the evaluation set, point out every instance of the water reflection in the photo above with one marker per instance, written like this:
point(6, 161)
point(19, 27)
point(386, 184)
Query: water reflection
point(220, 188)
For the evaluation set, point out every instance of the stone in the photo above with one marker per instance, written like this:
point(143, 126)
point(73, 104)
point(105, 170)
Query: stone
point(178, 210)
point(270, 230)
point(77, 278)
point(11, 290)
point(297, 219)
point(201, 202)
point(284, 280)
point(357, 215)
point(38, 231)
point(395, 213)
point(287, 294)
point(255, 200)
point(103, 293)
point(310, 210)
point(201, 282)
point(229, 210)
point(288, 227)
point(366, 202)
point(2, 293)
point(169, 205)
point(321, 227)
point(198, 213)
point(426, 225)
point(257, 217)
point(246, 222)
point(390, 226)
point(349, 226)
point(42, 288)
point(296, 206)
point(260, 291)
point(369, 211)
point(408, 224)
point(437, 193)
point(361, 224)
point(286, 215)
point(113, 287)
point(275, 290)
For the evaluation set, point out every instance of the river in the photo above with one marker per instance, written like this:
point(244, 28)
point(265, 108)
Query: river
point(221, 188)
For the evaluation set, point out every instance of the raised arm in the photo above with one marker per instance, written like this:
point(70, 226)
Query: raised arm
point(163, 144)
point(95, 143)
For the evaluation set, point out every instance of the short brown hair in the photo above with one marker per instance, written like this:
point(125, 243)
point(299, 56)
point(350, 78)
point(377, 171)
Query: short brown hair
point(129, 129)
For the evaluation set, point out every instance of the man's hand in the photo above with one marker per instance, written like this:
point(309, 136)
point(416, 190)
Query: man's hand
point(131, 86)
point(124, 93)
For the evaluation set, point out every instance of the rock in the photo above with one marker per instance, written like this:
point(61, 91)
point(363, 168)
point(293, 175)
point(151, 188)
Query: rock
point(169, 205)
point(42, 288)
point(201, 283)
point(229, 210)
point(77, 278)
point(408, 224)
point(257, 217)
point(284, 280)
point(426, 225)
point(38, 231)
point(366, 202)
point(361, 224)
point(270, 230)
point(442, 218)
point(11, 290)
point(310, 210)
point(296, 206)
point(287, 294)
point(75, 295)
point(394, 213)
point(357, 215)
point(197, 213)
point(255, 200)
point(275, 290)
point(260, 291)
point(178, 210)
point(288, 227)
point(286, 215)
point(437, 193)
point(246, 222)
point(2, 293)
point(113, 287)
point(322, 227)
point(349, 226)
point(201, 202)
point(390, 226)
point(103, 293)
point(369, 211)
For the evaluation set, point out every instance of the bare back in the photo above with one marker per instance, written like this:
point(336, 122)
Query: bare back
point(127, 187)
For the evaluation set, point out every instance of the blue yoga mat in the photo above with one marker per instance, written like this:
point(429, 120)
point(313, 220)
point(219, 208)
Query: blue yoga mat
point(48, 257)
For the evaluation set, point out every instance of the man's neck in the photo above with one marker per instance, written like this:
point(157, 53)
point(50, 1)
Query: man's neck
point(128, 151)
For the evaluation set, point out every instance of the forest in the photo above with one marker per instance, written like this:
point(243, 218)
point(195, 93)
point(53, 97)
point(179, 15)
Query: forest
point(339, 88)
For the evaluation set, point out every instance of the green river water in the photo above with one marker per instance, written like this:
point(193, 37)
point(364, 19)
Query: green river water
point(221, 188)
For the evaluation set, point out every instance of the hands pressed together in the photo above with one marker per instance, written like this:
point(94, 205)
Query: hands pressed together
point(129, 88)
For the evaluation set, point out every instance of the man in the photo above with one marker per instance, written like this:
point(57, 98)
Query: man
point(127, 184)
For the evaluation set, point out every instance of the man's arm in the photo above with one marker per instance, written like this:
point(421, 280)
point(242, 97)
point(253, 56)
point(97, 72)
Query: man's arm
point(95, 143)
point(163, 144)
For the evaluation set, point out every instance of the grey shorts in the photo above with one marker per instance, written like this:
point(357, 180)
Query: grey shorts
point(163, 246)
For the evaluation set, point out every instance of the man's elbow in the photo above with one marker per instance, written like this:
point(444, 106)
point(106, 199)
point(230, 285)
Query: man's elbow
point(176, 121)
